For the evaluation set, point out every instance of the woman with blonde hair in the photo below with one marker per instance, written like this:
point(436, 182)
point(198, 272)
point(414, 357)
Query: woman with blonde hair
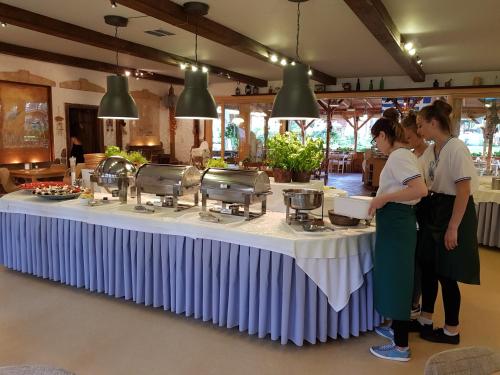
point(448, 245)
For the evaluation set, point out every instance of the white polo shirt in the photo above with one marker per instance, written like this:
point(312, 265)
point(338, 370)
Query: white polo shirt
point(453, 164)
point(401, 167)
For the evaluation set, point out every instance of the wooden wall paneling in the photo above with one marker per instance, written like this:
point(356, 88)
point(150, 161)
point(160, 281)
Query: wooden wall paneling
point(24, 76)
point(81, 84)
point(208, 133)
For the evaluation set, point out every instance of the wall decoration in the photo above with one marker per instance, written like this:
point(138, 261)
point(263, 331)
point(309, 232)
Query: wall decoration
point(146, 130)
point(25, 123)
point(82, 84)
point(24, 76)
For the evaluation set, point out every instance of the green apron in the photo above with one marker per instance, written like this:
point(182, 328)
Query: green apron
point(394, 262)
point(462, 263)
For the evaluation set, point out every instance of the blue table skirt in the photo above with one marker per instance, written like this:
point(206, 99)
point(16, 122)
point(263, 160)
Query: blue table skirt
point(256, 290)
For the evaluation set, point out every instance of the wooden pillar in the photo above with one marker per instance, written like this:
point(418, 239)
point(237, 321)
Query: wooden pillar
point(355, 133)
point(222, 131)
point(172, 128)
point(119, 124)
point(329, 113)
point(244, 132)
point(456, 114)
point(196, 133)
point(208, 132)
point(283, 127)
point(266, 137)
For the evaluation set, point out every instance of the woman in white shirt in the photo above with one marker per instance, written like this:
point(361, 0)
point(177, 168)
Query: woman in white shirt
point(449, 250)
point(418, 145)
point(401, 187)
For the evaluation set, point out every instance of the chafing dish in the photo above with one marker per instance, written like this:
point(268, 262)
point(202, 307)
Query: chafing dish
point(115, 173)
point(237, 188)
point(168, 182)
point(302, 201)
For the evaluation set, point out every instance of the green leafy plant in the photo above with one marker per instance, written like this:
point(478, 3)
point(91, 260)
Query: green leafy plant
point(496, 154)
point(308, 157)
point(137, 158)
point(134, 157)
point(216, 163)
point(476, 154)
point(280, 148)
point(112, 151)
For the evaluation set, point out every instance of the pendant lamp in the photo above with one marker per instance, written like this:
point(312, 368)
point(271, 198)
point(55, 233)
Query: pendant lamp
point(195, 102)
point(295, 100)
point(117, 103)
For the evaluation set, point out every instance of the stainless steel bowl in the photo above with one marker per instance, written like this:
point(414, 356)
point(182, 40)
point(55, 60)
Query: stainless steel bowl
point(303, 199)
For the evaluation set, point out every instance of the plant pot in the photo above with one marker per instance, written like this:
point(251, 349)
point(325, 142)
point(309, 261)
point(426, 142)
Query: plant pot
point(301, 176)
point(282, 175)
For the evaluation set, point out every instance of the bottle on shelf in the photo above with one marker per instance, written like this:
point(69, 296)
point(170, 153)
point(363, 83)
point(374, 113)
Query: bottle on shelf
point(358, 85)
point(381, 83)
point(370, 86)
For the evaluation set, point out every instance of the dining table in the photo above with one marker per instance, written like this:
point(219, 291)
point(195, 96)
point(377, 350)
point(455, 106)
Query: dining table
point(37, 174)
point(487, 202)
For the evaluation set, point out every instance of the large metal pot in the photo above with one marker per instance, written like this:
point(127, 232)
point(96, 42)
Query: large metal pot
point(303, 199)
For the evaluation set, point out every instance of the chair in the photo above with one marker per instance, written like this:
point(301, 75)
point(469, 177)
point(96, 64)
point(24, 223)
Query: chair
point(6, 183)
point(471, 360)
point(323, 169)
point(336, 163)
point(348, 162)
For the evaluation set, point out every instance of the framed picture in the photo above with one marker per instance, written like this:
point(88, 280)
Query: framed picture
point(25, 123)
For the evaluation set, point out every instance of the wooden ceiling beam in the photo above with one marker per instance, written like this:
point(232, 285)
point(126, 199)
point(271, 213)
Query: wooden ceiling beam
point(57, 58)
point(374, 15)
point(172, 13)
point(43, 24)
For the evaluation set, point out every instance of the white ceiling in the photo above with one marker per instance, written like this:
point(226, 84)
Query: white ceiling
point(452, 35)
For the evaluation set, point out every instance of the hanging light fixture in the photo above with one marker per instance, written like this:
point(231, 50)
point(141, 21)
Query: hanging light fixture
point(295, 100)
point(195, 102)
point(117, 102)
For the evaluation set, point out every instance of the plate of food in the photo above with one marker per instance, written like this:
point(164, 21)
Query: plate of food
point(58, 192)
point(31, 186)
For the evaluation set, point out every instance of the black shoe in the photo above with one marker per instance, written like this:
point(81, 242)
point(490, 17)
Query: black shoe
point(438, 335)
point(416, 326)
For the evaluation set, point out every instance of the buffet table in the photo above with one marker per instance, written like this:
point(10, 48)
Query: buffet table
point(488, 212)
point(261, 276)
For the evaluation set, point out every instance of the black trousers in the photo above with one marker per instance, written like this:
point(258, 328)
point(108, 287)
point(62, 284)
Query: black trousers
point(401, 329)
point(449, 290)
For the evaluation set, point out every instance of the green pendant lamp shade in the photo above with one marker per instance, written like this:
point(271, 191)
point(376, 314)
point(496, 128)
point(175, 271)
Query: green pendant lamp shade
point(295, 100)
point(195, 101)
point(117, 102)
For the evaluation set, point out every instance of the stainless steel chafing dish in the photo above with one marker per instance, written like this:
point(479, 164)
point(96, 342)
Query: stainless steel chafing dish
point(302, 201)
point(168, 182)
point(237, 188)
point(115, 173)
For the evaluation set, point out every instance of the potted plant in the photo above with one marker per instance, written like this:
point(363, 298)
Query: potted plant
point(306, 159)
point(216, 163)
point(280, 148)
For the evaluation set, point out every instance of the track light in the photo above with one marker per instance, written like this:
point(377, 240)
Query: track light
point(204, 69)
point(3, 24)
point(274, 58)
point(408, 46)
point(419, 60)
point(283, 61)
point(412, 52)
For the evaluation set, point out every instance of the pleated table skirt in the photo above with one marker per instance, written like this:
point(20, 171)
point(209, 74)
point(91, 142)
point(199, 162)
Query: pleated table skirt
point(488, 223)
point(258, 291)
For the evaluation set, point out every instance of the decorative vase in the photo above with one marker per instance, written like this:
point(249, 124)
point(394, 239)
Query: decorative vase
point(301, 176)
point(282, 175)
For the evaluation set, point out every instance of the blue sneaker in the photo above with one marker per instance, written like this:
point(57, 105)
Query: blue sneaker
point(386, 332)
point(391, 353)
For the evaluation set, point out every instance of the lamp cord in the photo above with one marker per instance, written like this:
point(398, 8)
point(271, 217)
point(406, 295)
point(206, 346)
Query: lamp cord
point(116, 39)
point(298, 32)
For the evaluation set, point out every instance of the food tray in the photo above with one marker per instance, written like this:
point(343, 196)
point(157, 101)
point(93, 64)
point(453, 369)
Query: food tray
point(59, 197)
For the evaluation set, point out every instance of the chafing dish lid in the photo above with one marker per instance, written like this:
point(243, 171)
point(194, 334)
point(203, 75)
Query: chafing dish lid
point(248, 181)
point(169, 174)
point(115, 166)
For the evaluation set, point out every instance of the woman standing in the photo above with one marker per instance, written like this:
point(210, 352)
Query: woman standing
point(448, 244)
point(418, 145)
point(401, 187)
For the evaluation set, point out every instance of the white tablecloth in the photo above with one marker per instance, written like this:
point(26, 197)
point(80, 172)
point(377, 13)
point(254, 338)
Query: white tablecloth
point(486, 194)
point(346, 254)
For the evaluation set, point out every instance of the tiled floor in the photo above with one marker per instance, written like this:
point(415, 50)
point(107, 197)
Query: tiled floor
point(350, 182)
